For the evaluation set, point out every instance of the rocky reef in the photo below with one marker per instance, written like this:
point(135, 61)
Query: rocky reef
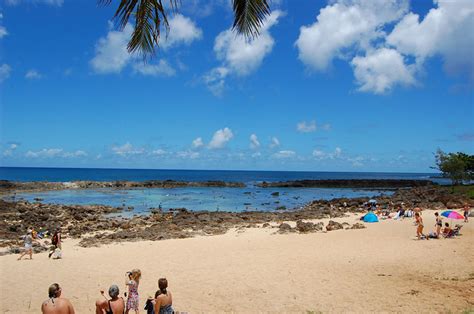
point(10, 186)
point(352, 183)
point(94, 225)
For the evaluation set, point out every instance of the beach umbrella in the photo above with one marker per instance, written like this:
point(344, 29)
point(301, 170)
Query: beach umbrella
point(451, 214)
point(371, 217)
point(372, 201)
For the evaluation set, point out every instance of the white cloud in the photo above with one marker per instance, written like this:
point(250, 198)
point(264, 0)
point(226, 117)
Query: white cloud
point(5, 70)
point(284, 154)
point(256, 155)
point(77, 153)
point(325, 126)
point(182, 31)
point(381, 70)
point(445, 31)
point(33, 75)
point(163, 68)
point(111, 54)
point(159, 152)
point(254, 143)
point(238, 55)
point(55, 152)
point(306, 127)
point(243, 56)
point(127, 149)
point(188, 154)
point(56, 3)
point(320, 155)
point(345, 24)
point(381, 38)
point(274, 142)
point(197, 142)
point(215, 80)
point(220, 138)
point(10, 150)
point(3, 32)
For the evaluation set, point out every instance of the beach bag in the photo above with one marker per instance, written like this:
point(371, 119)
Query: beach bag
point(57, 253)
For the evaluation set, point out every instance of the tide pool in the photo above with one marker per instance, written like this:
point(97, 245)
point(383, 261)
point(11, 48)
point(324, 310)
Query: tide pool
point(197, 199)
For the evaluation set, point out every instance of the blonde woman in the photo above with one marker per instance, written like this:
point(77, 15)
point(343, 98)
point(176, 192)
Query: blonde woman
point(132, 280)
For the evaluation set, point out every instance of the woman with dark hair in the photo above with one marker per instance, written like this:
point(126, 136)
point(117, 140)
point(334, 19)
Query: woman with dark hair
point(164, 301)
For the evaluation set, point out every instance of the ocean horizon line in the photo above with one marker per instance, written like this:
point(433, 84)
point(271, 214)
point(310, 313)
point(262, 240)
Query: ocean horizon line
point(224, 170)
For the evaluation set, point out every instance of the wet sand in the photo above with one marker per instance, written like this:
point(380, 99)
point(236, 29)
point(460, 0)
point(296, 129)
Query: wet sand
point(378, 269)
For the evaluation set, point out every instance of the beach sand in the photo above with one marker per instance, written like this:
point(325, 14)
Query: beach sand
point(378, 269)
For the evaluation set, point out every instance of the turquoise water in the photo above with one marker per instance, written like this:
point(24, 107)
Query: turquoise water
point(212, 199)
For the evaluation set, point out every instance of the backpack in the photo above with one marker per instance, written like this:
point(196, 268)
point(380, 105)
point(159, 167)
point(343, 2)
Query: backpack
point(55, 239)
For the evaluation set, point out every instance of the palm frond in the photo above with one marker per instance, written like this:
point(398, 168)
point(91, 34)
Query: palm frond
point(148, 16)
point(249, 16)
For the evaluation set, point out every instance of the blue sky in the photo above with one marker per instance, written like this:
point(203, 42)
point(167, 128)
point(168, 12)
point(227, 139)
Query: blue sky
point(349, 85)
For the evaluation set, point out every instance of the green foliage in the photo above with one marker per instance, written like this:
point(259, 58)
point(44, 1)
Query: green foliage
point(458, 167)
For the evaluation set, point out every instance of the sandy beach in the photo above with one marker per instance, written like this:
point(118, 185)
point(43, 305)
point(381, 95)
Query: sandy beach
point(378, 269)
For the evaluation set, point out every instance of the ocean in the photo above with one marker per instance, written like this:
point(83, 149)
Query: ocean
point(140, 201)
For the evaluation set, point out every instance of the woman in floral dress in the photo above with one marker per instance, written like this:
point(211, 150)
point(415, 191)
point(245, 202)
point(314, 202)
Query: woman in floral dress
point(132, 280)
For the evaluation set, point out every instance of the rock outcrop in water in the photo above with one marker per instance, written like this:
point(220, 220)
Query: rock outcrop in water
point(356, 183)
point(9, 186)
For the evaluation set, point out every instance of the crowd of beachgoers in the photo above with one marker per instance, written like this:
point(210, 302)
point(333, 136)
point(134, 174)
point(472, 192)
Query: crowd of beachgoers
point(162, 300)
point(441, 229)
point(161, 303)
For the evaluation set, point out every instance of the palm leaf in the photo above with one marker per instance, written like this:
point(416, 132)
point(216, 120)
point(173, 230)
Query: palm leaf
point(249, 16)
point(150, 15)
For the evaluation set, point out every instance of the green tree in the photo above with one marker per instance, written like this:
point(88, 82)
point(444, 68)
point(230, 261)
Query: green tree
point(456, 166)
point(149, 16)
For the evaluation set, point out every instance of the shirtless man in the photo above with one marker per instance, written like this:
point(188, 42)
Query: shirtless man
point(115, 305)
point(55, 304)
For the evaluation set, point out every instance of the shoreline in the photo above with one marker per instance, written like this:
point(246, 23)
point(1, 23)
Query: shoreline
point(80, 220)
point(377, 269)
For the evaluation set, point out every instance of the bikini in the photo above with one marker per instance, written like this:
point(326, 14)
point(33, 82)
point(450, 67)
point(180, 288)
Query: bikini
point(109, 311)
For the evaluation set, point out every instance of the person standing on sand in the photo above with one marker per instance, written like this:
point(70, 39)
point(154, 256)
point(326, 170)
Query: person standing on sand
point(28, 240)
point(55, 304)
point(419, 226)
point(132, 280)
point(466, 212)
point(439, 224)
point(115, 305)
point(56, 242)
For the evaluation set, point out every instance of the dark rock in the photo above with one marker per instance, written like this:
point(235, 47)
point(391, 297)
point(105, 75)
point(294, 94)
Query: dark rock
point(275, 193)
point(284, 227)
point(333, 225)
point(358, 225)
